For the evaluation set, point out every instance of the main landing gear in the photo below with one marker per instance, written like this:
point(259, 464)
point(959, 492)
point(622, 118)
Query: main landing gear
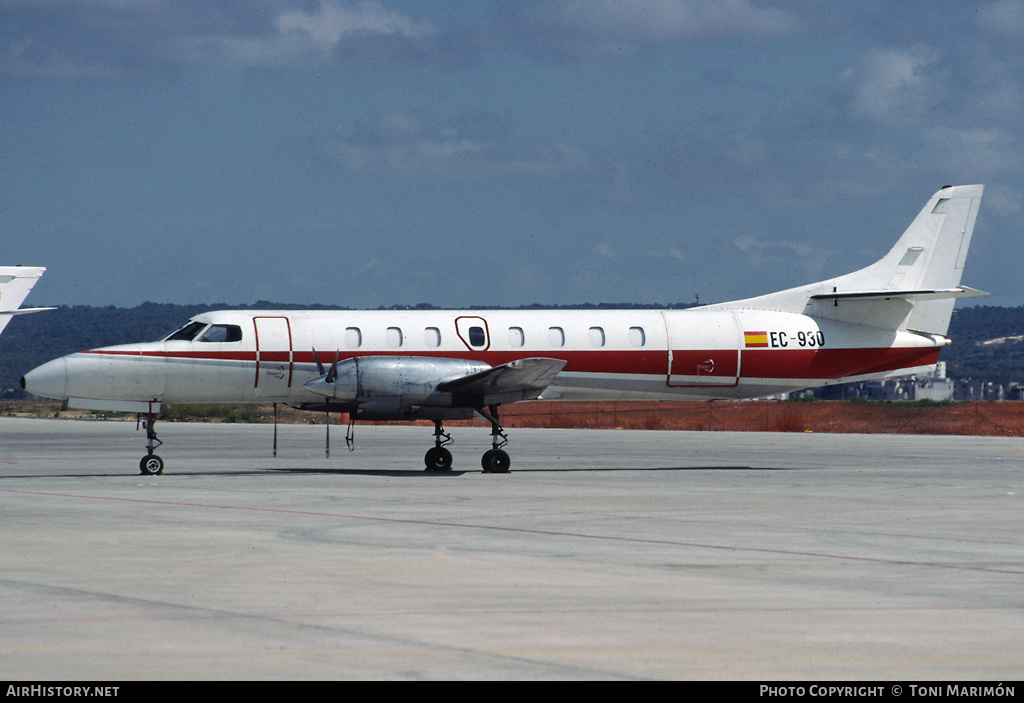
point(438, 458)
point(494, 461)
point(151, 464)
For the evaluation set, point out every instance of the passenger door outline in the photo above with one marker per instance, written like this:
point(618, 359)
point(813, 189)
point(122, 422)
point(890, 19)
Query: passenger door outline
point(274, 367)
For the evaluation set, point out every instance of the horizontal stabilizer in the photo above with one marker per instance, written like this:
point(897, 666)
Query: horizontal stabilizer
point(15, 284)
point(944, 294)
point(523, 379)
point(22, 311)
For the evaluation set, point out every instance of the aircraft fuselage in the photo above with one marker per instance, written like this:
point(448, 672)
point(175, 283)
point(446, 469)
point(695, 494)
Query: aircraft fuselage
point(269, 356)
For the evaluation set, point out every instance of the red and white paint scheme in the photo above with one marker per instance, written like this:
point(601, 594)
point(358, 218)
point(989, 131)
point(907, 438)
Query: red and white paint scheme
point(15, 284)
point(887, 319)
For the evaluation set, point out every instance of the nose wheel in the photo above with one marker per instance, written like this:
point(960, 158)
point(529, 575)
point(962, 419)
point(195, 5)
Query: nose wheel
point(151, 464)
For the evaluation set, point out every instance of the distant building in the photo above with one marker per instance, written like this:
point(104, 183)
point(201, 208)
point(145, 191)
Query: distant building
point(979, 390)
point(930, 386)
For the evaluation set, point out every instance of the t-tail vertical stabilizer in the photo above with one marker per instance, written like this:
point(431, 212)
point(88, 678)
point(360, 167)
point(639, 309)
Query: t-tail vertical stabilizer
point(913, 287)
point(15, 284)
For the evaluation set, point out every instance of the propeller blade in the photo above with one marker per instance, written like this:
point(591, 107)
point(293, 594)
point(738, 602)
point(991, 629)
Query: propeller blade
point(332, 373)
point(319, 364)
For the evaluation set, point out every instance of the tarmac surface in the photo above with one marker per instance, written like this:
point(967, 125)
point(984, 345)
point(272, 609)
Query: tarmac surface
point(604, 555)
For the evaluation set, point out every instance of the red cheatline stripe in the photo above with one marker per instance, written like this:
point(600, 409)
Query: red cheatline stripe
point(755, 363)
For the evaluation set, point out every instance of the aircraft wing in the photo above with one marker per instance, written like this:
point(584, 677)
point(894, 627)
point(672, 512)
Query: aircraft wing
point(522, 379)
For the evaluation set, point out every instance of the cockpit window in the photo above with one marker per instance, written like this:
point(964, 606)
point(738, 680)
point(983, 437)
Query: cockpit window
point(222, 333)
point(186, 333)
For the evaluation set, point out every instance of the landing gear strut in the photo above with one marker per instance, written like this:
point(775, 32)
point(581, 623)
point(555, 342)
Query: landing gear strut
point(495, 460)
point(151, 464)
point(438, 458)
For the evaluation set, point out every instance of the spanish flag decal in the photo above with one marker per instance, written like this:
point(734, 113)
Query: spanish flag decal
point(755, 339)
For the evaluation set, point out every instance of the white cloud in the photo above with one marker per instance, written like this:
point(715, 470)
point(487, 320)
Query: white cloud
point(1003, 199)
point(990, 150)
point(581, 28)
point(893, 84)
point(333, 22)
point(660, 20)
point(1004, 18)
point(759, 252)
point(28, 58)
point(412, 145)
point(299, 36)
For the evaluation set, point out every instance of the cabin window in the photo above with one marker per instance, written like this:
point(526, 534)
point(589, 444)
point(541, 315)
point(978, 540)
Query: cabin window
point(477, 337)
point(432, 337)
point(596, 336)
point(637, 337)
point(186, 333)
point(393, 337)
point(516, 338)
point(353, 337)
point(222, 333)
point(556, 336)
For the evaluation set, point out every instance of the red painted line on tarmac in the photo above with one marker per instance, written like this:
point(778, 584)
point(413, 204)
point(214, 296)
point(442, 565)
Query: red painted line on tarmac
point(546, 533)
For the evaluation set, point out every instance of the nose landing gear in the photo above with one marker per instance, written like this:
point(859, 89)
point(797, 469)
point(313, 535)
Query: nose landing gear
point(151, 464)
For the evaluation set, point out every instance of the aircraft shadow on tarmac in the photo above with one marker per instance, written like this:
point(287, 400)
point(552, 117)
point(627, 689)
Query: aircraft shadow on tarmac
point(393, 473)
point(432, 474)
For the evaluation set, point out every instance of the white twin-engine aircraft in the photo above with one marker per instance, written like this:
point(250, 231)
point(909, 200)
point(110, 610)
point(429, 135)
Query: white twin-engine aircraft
point(884, 320)
point(15, 284)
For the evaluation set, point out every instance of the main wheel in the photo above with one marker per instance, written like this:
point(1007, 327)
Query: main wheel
point(438, 459)
point(495, 461)
point(151, 465)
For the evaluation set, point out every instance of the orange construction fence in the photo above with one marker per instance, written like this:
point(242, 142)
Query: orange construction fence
point(974, 418)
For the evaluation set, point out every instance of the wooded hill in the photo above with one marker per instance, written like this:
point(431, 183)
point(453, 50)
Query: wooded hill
point(988, 342)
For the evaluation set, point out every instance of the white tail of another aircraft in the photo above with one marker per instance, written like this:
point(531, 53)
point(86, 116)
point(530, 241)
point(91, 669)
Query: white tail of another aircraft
point(912, 288)
point(15, 284)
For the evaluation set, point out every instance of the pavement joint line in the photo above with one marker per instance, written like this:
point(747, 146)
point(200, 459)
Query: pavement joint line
point(547, 533)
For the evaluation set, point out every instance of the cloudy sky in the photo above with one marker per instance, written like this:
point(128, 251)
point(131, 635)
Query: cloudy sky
point(476, 152)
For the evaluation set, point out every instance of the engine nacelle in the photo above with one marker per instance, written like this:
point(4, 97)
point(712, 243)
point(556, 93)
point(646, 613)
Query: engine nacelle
point(394, 387)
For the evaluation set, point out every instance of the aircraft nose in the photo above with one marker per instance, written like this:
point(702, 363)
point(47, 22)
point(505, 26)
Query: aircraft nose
point(49, 380)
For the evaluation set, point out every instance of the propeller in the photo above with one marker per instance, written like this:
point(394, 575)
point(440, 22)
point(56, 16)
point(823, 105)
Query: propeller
point(331, 374)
